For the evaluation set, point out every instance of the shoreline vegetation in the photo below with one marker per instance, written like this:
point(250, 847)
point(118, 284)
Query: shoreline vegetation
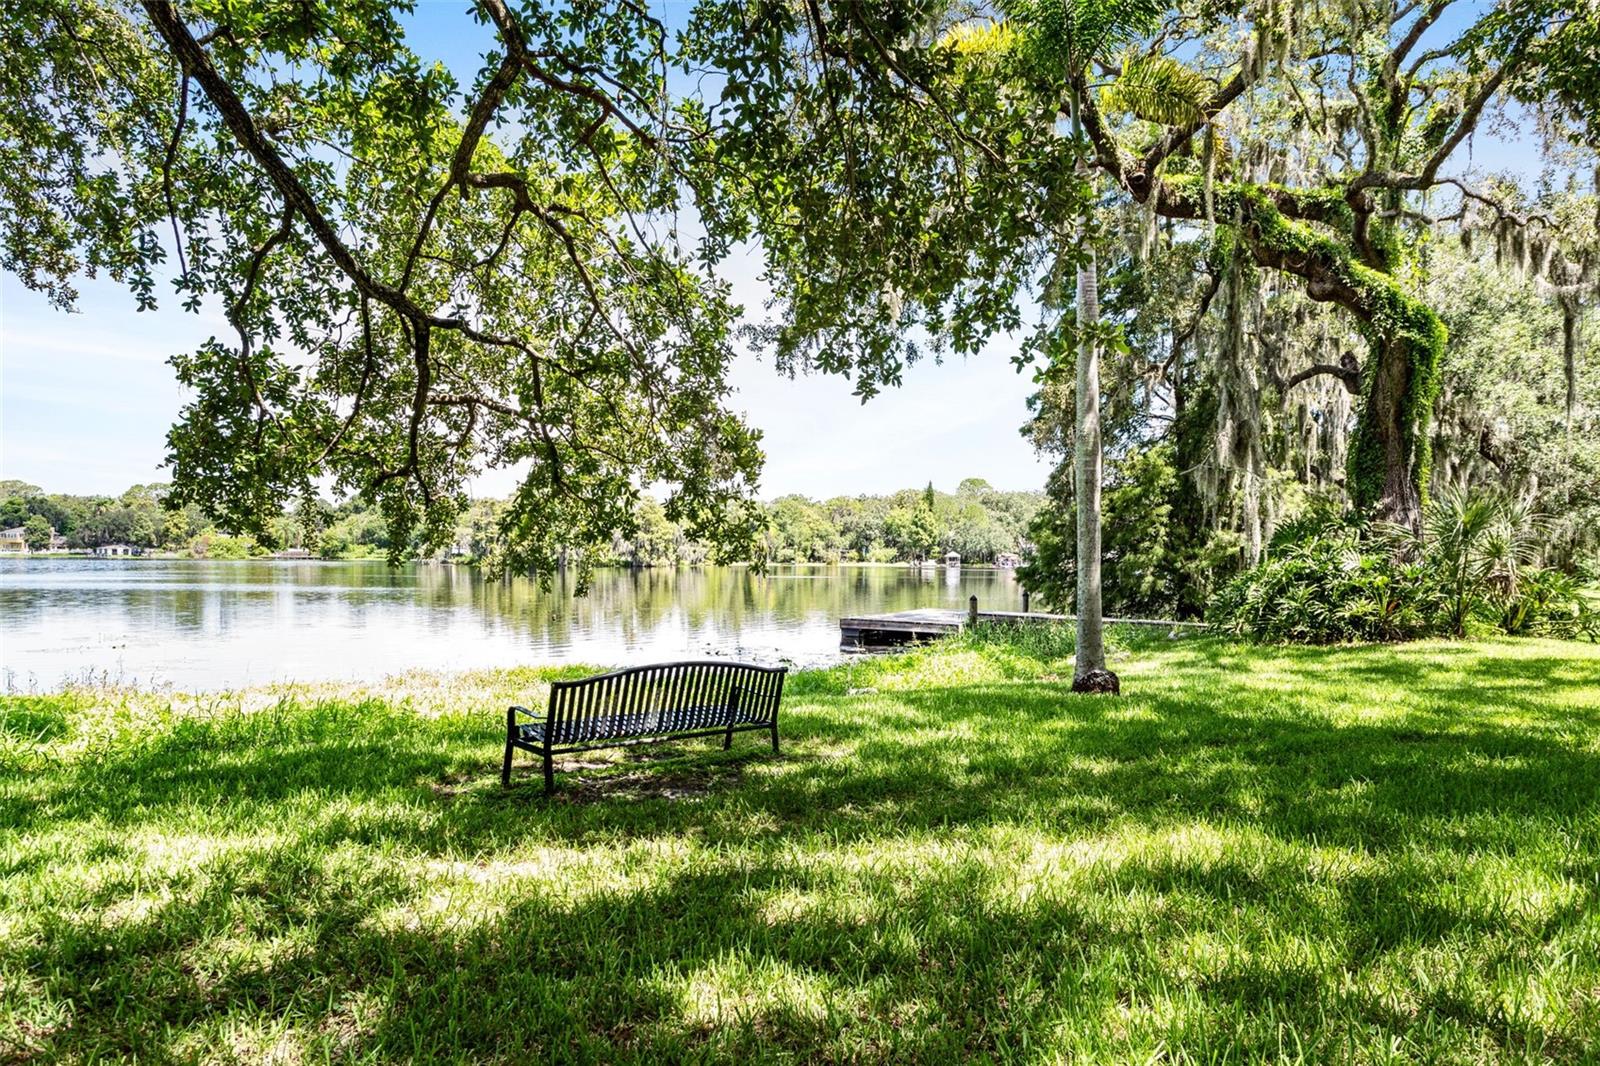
point(155, 555)
point(381, 557)
point(977, 522)
point(1287, 853)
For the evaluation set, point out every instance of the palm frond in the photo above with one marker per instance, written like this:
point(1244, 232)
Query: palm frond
point(1158, 88)
point(1064, 35)
point(1106, 25)
point(989, 39)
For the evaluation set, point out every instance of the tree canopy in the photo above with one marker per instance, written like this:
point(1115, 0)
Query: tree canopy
point(423, 278)
point(426, 275)
point(1254, 392)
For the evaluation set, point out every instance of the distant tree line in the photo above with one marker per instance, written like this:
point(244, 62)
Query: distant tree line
point(138, 517)
point(977, 521)
point(146, 517)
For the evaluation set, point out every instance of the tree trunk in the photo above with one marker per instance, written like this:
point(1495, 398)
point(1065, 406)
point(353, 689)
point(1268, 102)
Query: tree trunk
point(1089, 668)
point(1087, 462)
point(1382, 464)
point(1569, 352)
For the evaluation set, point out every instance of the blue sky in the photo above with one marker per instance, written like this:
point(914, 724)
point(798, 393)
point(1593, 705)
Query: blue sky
point(86, 399)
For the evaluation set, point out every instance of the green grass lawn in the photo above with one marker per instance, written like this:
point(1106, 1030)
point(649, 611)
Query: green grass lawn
point(1362, 854)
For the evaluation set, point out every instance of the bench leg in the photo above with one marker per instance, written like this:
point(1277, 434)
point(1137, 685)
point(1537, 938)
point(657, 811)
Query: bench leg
point(774, 733)
point(549, 773)
point(511, 732)
point(733, 716)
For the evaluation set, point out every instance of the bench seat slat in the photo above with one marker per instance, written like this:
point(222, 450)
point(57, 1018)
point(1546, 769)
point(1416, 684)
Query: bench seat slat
point(641, 723)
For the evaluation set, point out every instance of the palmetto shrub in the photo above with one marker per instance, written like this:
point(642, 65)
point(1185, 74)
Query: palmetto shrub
point(1478, 563)
point(1330, 585)
point(1487, 551)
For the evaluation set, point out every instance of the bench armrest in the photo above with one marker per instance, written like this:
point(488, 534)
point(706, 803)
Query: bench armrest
point(535, 715)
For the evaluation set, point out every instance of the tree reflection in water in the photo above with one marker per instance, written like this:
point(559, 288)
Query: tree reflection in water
point(210, 624)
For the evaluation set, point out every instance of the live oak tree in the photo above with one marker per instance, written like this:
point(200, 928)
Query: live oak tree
point(422, 279)
point(1324, 145)
point(1378, 104)
point(1239, 383)
point(1368, 111)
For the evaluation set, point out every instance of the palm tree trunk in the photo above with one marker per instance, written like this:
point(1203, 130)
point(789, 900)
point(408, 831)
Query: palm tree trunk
point(1087, 464)
point(1569, 351)
point(1089, 669)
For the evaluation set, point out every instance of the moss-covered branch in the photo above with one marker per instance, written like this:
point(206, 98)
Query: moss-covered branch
point(1389, 462)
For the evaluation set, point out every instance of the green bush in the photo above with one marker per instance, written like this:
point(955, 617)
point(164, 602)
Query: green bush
point(1477, 563)
point(1333, 585)
point(214, 545)
point(1157, 558)
point(1488, 553)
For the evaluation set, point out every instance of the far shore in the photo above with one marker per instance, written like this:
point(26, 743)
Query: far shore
point(275, 557)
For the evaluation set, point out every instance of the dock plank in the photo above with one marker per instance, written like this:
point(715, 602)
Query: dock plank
point(926, 623)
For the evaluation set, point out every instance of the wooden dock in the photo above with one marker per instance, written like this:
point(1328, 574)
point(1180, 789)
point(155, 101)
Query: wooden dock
point(930, 623)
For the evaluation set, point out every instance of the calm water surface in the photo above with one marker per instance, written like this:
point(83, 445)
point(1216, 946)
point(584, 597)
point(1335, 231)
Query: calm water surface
point(199, 624)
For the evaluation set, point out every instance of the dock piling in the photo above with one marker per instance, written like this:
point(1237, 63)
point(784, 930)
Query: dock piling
point(972, 611)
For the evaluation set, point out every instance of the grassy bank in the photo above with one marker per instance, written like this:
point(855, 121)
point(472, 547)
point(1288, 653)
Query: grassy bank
point(1370, 854)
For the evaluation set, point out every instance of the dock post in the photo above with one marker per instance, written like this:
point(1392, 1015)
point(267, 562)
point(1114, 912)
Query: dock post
point(1024, 601)
point(972, 611)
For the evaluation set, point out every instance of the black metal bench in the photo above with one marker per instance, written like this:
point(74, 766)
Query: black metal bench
point(646, 705)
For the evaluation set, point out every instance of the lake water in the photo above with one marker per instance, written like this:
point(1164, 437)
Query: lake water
point(202, 625)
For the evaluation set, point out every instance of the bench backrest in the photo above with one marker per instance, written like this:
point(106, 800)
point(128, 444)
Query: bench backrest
point(665, 698)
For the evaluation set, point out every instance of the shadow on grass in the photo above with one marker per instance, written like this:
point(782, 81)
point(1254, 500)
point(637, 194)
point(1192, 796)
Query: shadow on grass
point(779, 941)
point(944, 966)
point(1484, 736)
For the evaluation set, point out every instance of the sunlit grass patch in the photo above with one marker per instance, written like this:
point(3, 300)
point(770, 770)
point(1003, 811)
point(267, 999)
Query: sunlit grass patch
point(1366, 854)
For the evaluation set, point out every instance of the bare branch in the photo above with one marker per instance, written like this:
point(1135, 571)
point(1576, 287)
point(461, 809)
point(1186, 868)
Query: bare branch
point(517, 48)
point(488, 403)
point(166, 170)
point(1402, 48)
point(1348, 371)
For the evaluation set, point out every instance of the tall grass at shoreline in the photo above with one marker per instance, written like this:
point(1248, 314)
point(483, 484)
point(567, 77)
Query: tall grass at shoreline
point(1357, 853)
